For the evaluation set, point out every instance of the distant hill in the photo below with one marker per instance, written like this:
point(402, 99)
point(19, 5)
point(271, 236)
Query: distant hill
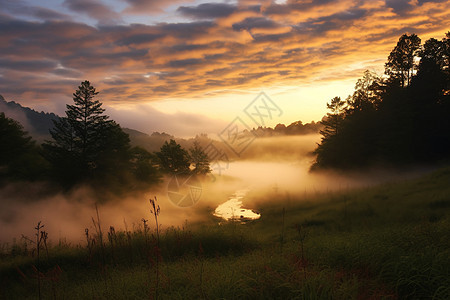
point(151, 142)
point(37, 124)
point(154, 141)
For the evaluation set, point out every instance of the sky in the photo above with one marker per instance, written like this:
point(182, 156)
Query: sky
point(188, 67)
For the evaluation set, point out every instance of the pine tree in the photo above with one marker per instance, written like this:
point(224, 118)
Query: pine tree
point(333, 119)
point(87, 121)
point(85, 143)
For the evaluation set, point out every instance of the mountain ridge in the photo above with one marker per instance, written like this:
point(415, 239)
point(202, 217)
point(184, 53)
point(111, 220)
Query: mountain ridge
point(37, 124)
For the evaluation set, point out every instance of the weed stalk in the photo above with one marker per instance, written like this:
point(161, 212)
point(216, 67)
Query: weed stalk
point(38, 244)
point(155, 210)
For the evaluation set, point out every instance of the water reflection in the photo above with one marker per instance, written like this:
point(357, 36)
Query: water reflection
point(233, 210)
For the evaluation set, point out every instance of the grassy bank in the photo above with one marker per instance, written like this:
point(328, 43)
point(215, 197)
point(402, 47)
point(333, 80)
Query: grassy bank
point(385, 242)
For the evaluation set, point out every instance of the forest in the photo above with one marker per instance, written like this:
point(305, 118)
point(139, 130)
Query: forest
point(399, 119)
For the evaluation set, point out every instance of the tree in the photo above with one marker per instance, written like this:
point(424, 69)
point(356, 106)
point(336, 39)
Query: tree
point(87, 121)
point(19, 156)
point(399, 121)
point(329, 150)
point(144, 168)
point(446, 42)
point(199, 159)
point(86, 145)
point(173, 158)
point(14, 141)
point(401, 61)
point(333, 120)
point(433, 51)
point(431, 79)
point(430, 101)
point(365, 96)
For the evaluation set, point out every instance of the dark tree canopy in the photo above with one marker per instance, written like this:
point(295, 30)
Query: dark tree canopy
point(87, 147)
point(199, 159)
point(398, 120)
point(19, 156)
point(365, 96)
point(333, 120)
point(87, 120)
point(14, 141)
point(401, 62)
point(173, 158)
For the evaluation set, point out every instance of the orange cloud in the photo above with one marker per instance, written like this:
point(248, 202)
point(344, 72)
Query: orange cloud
point(251, 45)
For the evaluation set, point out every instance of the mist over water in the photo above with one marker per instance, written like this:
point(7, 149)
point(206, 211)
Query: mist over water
point(278, 165)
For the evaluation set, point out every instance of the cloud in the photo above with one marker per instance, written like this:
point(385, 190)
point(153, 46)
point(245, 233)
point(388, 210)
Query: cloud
point(27, 65)
point(399, 6)
point(421, 2)
point(94, 9)
point(19, 7)
point(149, 6)
point(207, 10)
point(137, 39)
point(243, 46)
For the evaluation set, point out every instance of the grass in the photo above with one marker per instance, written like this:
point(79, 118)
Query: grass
point(387, 242)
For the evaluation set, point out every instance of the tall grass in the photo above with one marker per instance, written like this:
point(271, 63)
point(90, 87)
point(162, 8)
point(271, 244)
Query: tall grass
point(386, 242)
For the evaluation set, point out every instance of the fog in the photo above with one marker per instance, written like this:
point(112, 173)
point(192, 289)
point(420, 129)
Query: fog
point(180, 124)
point(276, 166)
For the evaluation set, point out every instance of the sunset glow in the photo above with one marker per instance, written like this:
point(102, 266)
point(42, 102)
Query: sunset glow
point(199, 58)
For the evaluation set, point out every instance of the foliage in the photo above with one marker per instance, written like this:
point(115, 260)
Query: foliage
point(295, 128)
point(144, 166)
point(332, 125)
point(401, 61)
point(173, 158)
point(333, 121)
point(199, 159)
point(89, 148)
point(13, 140)
point(398, 120)
point(19, 156)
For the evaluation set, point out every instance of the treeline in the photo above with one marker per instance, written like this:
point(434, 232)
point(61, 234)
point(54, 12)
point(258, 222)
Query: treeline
point(87, 148)
point(398, 119)
point(295, 128)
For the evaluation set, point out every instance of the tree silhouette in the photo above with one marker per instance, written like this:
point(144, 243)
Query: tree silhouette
point(366, 94)
point(199, 159)
point(144, 167)
point(399, 120)
point(401, 64)
point(87, 120)
point(333, 121)
point(328, 150)
point(14, 141)
point(19, 156)
point(85, 143)
point(173, 158)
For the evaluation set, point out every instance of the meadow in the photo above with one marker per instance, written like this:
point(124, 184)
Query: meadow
point(390, 241)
